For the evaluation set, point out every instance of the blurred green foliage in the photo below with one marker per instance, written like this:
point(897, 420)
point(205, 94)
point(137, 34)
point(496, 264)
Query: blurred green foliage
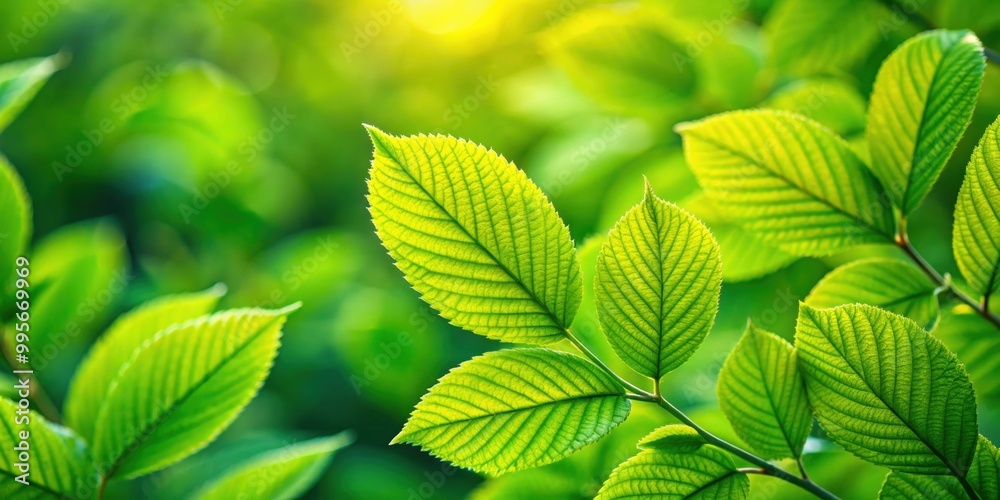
point(192, 142)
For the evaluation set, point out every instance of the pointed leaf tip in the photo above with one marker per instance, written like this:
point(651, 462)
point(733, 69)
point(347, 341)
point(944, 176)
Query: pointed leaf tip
point(379, 138)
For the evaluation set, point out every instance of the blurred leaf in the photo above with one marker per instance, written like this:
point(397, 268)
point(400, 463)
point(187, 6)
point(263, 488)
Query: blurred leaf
point(984, 476)
point(470, 256)
point(706, 473)
point(59, 463)
point(21, 80)
point(213, 367)
point(762, 393)
point(828, 101)
point(980, 16)
point(977, 345)
point(922, 102)
point(810, 37)
point(674, 438)
point(623, 56)
point(748, 165)
point(886, 390)
point(657, 322)
point(15, 229)
point(891, 284)
point(127, 335)
point(977, 216)
point(280, 474)
point(531, 406)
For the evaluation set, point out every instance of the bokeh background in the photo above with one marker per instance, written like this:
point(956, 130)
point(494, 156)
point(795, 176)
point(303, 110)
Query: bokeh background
point(191, 142)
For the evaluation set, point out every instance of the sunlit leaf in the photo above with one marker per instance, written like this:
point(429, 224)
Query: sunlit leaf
point(886, 390)
point(15, 227)
point(657, 286)
point(763, 395)
point(977, 344)
point(921, 105)
point(891, 284)
point(673, 438)
point(21, 80)
point(475, 237)
point(984, 476)
point(515, 409)
point(705, 473)
point(109, 355)
point(182, 388)
point(789, 180)
point(977, 216)
point(813, 37)
point(829, 102)
point(59, 465)
point(280, 474)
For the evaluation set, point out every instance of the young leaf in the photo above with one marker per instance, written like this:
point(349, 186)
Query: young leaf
point(128, 333)
point(984, 476)
point(673, 438)
point(15, 228)
point(514, 409)
point(281, 474)
point(977, 216)
point(921, 104)
point(789, 179)
point(705, 473)
point(891, 284)
point(977, 345)
point(658, 281)
point(886, 390)
point(21, 80)
point(763, 395)
point(59, 464)
point(184, 387)
point(475, 237)
point(811, 37)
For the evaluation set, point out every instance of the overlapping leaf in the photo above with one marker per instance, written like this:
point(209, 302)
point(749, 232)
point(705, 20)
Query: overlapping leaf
point(890, 284)
point(184, 387)
point(20, 81)
point(977, 216)
point(59, 463)
point(763, 395)
point(977, 344)
point(673, 438)
point(514, 409)
point(15, 227)
point(984, 477)
point(109, 355)
point(281, 474)
point(475, 237)
point(705, 473)
point(886, 390)
point(812, 37)
point(789, 179)
point(657, 286)
point(920, 106)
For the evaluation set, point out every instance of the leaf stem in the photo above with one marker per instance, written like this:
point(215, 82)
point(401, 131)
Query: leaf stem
point(100, 489)
point(43, 402)
point(981, 307)
point(802, 468)
point(766, 467)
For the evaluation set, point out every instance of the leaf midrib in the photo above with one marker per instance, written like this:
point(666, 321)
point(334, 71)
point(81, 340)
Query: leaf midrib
point(770, 400)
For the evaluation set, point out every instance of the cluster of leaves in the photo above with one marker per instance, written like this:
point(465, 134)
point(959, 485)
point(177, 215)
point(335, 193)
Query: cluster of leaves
point(161, 383)
point(484, 247)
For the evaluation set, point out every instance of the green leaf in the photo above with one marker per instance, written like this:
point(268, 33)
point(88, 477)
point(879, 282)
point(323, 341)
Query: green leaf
point(977, 345)
point(984, 476)
point(789, 180)
point(284, 473)
point(514, 409)
point(183, 387)
point(811, 37)
point(475, 237)
point(127, 335)
point(977, 216)
point(886, 390)
point(59, 463)
point(21, 80)
point(658, 281)
point(624, 57)
point(705, 473)
point(763, 395)
point(891, 284)
point(921, 104)
point(673, 438)
point(833, 103)
point(15, 228)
